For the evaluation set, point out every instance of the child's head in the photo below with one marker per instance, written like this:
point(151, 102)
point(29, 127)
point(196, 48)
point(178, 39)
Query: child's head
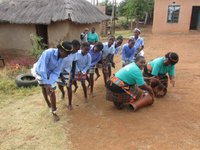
point(64, 49)
point(75, 45)
point(137, 32)
point(119, 41)
point(98, 47)
point(131, 42)
point(85, 47)
point(111, 40)
point(86, 30)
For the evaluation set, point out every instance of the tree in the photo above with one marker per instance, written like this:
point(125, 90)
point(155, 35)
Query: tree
point(135, 9)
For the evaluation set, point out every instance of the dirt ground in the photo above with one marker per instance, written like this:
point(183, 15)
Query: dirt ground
point(171, 123)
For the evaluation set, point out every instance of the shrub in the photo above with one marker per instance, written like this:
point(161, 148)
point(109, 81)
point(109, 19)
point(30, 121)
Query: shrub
point(37, 45)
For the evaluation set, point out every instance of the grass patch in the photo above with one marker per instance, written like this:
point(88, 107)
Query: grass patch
point(125, 33)
point(8, 88)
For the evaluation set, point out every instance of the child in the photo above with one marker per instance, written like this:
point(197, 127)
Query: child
point(82, 65)
point(83, 35)
point(47, 70)
point(128, 52)
point(107, 57)
point(96, 53)
point(68, 72)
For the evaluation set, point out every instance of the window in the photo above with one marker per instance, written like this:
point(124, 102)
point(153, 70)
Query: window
point(173, 13)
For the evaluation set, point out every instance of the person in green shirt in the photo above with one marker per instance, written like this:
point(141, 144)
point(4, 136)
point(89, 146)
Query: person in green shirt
point(127, 86)
point(158, 69)
point(92, 36)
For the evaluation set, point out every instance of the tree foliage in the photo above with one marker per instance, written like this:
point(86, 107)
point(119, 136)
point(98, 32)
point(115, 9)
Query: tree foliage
point(135, 8)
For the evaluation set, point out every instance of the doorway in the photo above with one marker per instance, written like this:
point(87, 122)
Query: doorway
point(195, 18)
point(42, 31)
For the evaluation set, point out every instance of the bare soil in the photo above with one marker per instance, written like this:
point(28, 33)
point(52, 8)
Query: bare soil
point(172, 122)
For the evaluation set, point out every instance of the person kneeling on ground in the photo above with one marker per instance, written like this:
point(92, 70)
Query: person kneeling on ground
point(127, 86)
point(47, 70)
point(155, 73)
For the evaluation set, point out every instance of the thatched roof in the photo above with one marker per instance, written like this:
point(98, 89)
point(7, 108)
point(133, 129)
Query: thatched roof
point(47, 11)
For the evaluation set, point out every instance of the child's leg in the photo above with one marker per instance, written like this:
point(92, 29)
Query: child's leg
point(62, 90)
point(97, 73)
point(76, 86)
point(84, 90)
point(69, 91)
point(109, 71)
point(53, 106)
point(88, 80)
point(91, 83)
point(44, 92)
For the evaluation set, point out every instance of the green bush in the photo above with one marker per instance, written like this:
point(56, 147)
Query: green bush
point(37, 45)
point(124, 24)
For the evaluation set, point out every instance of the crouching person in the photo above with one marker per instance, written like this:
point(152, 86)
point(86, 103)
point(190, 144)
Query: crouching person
point(47, 70)
point(127, 86)
point(157, 71)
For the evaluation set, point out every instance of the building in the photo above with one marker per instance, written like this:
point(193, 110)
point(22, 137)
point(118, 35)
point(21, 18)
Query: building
point(54, 20)
point(176, 16)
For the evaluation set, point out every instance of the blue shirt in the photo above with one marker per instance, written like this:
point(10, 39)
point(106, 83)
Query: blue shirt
point(158, 67)
point(49, 66)
point(83, 62)
point(67, 62)
point(95, 56)
point(107, 50)
point(131, 74)
point(139, 42)
point(128, 53)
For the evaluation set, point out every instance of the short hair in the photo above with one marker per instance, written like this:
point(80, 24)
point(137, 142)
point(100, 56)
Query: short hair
point(131, 40)
point(76, 43)
point(111, 36)
point(173, 57)
point(85, 44)
point(120, 37)
point(99, 45)
point(138, 58)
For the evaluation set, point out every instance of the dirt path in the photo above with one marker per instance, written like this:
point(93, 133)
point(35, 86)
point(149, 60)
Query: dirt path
point(172, 122)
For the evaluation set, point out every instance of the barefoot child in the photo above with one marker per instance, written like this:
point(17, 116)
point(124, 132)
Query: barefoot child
point(67, 72)
point(128, 52)
point(96, 53)
point(82, 65)
point(47, 70)
point(108, 51)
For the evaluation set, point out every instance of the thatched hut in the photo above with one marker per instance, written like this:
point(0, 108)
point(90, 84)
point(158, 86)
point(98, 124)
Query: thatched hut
point(54, 20)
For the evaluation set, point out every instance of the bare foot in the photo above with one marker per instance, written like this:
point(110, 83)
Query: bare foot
point(85, 100)
point(55, 118)
point(97, 77)
point(76, 87)
point(92, 94)
point(63, 96)
point(70, 107)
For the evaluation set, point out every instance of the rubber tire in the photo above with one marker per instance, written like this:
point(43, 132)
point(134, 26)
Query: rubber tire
point(22, 82)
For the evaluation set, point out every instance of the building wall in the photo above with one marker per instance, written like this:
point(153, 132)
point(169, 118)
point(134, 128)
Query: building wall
point(160, 24)
point(67, 30)
point(13, 36)
point(17, 37)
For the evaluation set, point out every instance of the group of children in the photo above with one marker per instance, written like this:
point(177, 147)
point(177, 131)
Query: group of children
point(74, 61)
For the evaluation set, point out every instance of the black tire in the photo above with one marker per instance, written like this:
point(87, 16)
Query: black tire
point(26, 80)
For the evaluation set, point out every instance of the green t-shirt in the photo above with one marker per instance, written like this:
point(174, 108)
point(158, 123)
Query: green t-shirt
point(131, 74)
point(158, 67)
point(92, 37)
